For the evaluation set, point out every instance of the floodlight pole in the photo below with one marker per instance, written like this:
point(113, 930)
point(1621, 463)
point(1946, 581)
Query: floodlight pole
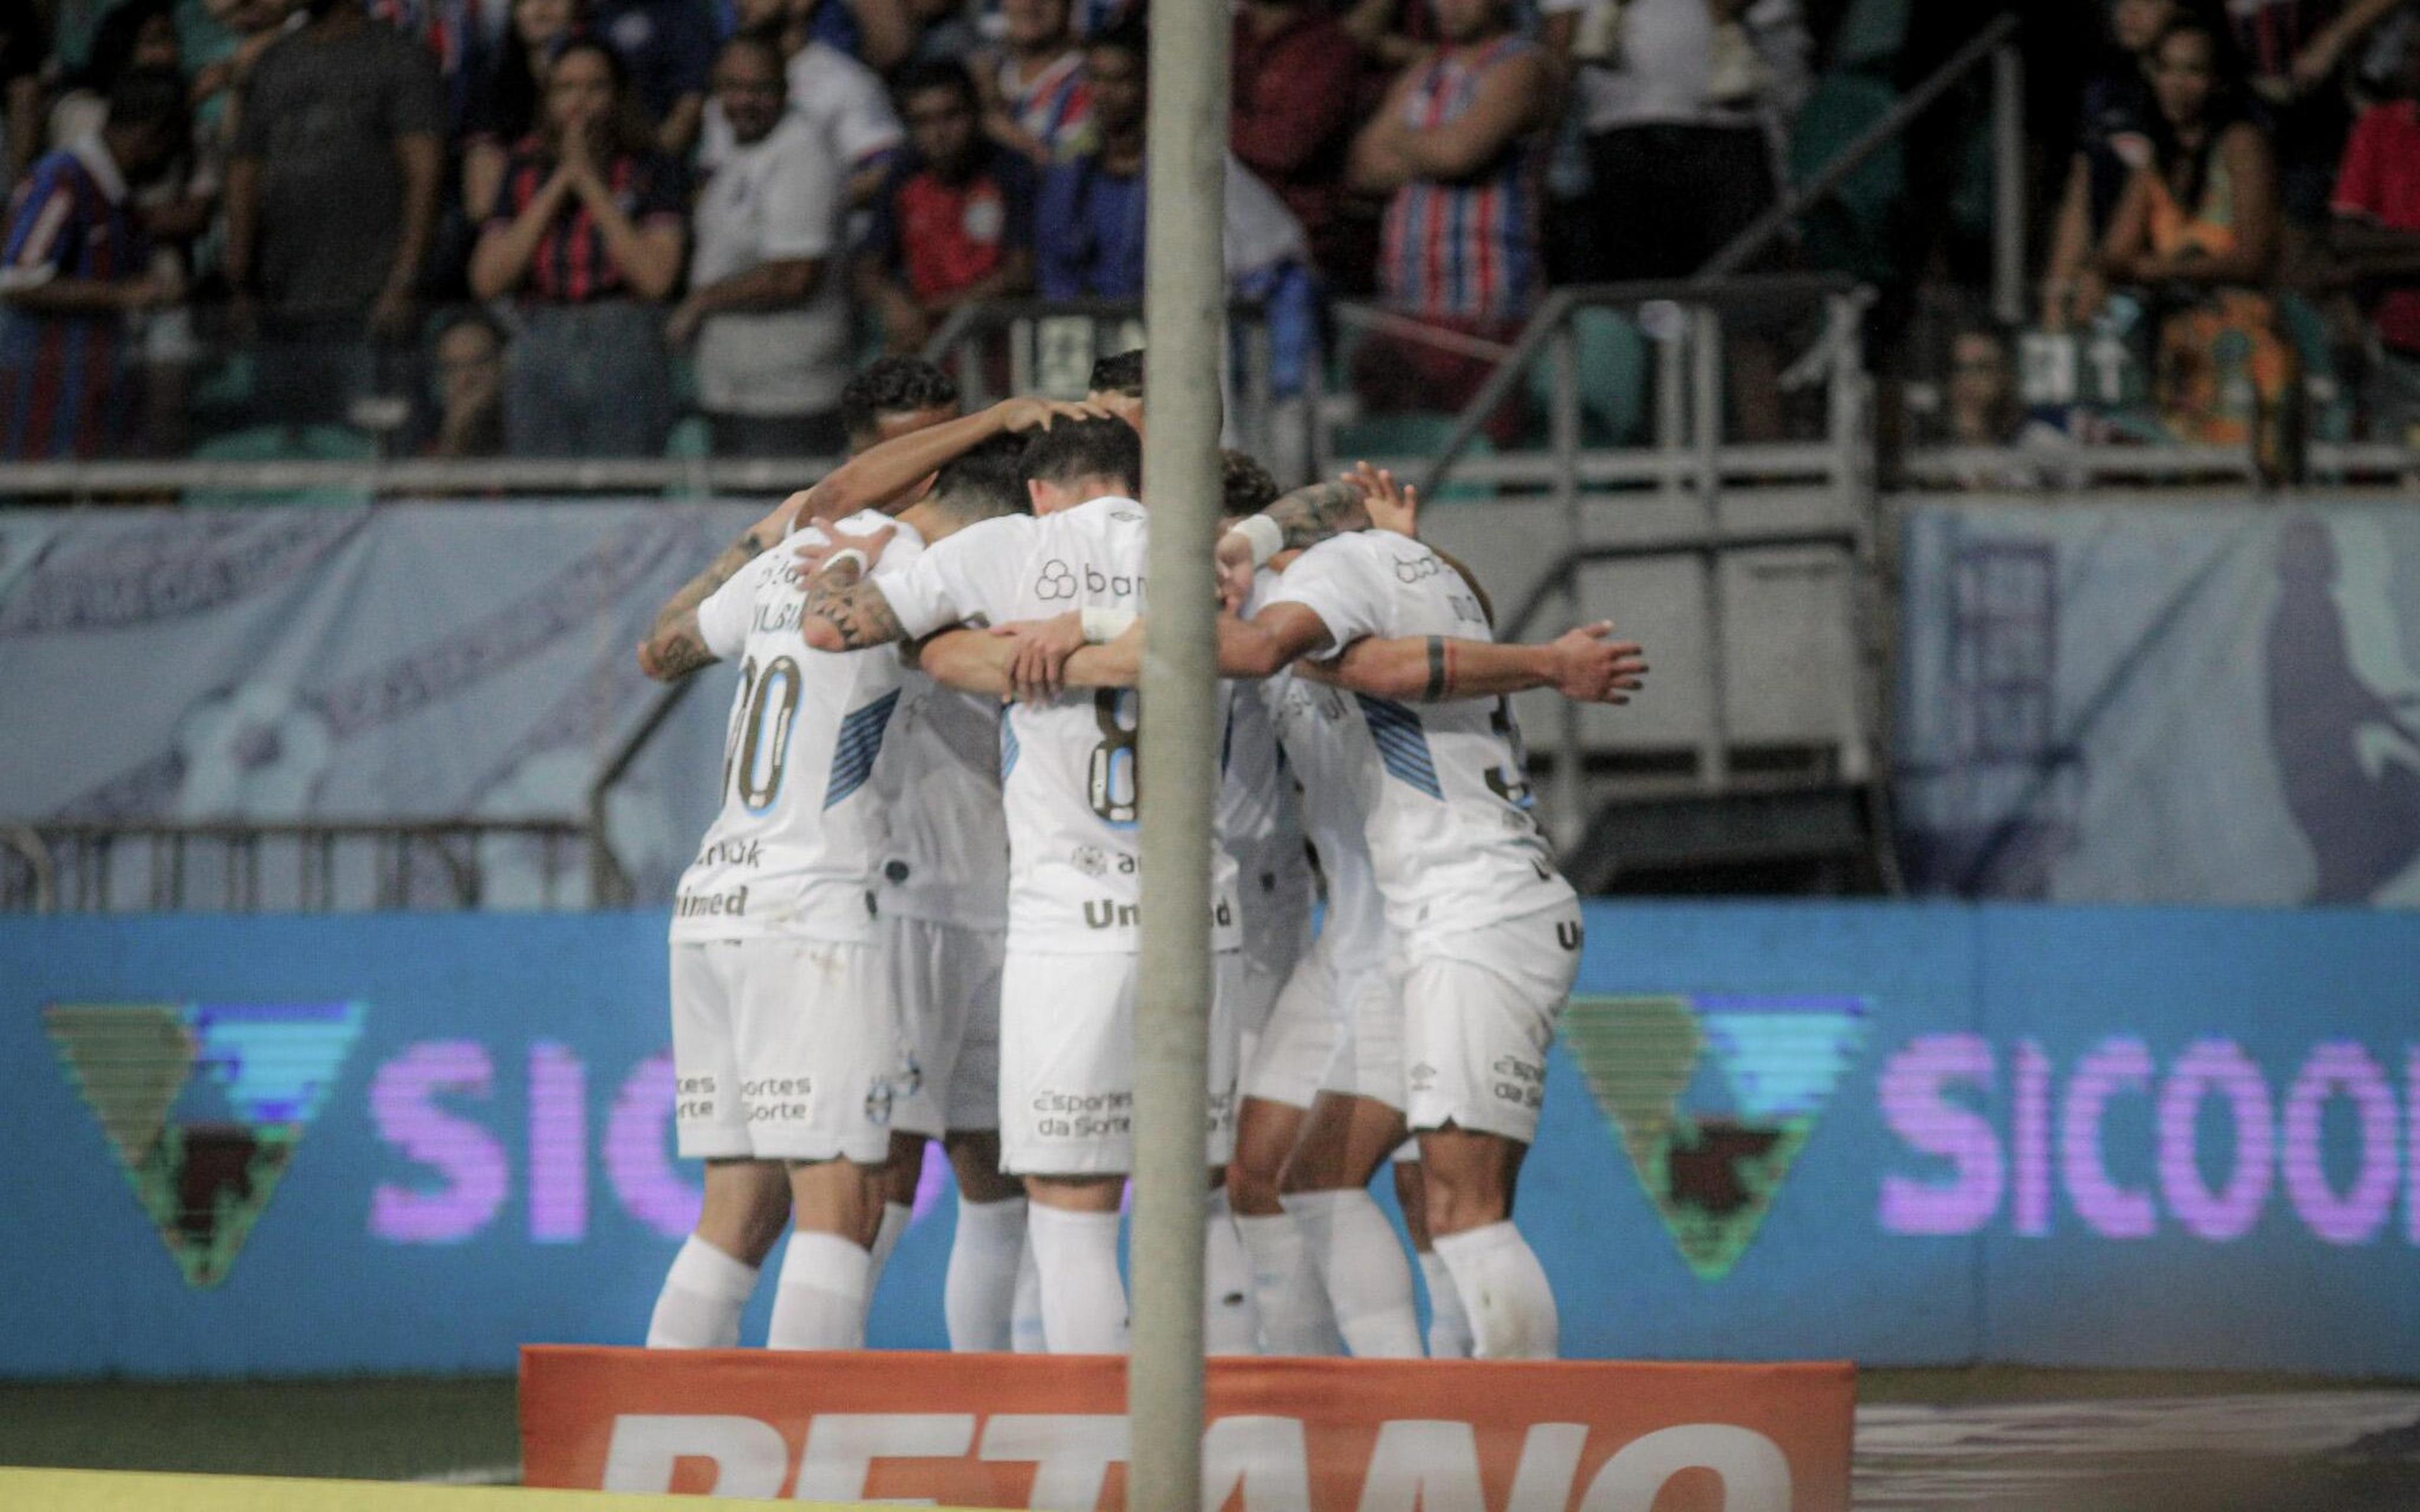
point(1183, 309)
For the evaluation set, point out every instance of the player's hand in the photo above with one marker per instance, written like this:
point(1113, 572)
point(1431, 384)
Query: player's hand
point(1233, 565)
point(1392, 507)
point(1039, 674)
point(815, 554)
point(1027, 413)
point(1590, 667)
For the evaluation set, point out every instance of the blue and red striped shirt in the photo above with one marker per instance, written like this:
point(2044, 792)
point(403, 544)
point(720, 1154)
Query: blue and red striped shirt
point(1466, 251)
point(61, 389)
point(1056, 105)
point(571, 265)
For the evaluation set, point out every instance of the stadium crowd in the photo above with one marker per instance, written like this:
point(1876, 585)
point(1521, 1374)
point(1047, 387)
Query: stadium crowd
point(585, 227)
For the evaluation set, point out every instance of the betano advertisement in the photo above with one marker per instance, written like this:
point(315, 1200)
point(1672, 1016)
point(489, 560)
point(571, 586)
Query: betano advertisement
point(1898, 1133)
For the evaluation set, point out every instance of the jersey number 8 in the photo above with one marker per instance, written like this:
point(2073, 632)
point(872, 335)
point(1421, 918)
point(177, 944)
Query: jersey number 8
point(1113, 780)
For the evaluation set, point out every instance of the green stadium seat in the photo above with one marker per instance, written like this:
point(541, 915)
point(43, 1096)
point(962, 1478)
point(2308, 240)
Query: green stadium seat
point(284, 443)
point(1412, 435)
point(1615, 361)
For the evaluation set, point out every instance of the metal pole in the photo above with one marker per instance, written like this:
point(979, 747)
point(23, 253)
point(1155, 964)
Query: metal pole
point(1184, 310)
point(2008, 185)
point(1566, 423)
point(1706, 400)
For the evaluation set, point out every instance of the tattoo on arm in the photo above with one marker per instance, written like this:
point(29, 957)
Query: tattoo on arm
point(680, 650)
point(859, 612)
point(701, 588)
point(1440, 669)
point(1310, 515)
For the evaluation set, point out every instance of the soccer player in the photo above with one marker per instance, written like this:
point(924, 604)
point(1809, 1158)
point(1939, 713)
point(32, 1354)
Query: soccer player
point(1489, 929)
point(1068, 767)
point(789, 1045)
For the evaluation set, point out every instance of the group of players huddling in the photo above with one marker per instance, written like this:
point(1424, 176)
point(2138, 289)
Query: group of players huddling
point(917, 914)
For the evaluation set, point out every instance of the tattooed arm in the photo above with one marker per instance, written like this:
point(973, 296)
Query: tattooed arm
point(849, 619)
point(1302, 518)
point(674, 646)
point(1585, 665)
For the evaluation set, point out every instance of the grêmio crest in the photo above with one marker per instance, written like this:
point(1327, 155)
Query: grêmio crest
point(1713, 1096)
point(204, 1104)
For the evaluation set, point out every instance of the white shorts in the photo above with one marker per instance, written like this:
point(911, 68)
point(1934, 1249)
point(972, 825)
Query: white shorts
point(1067, 1063)
point(1479, 1011)
point(946, 981)
point(1369, 1057)
point(784, 1049)
point(1292, 1054)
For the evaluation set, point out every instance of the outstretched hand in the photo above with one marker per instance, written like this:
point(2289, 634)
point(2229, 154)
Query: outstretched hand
point(1392, 507)
point(1590, 667)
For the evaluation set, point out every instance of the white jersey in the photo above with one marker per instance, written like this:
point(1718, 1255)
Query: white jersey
point(1260, 821)
point(946, 861)
point(1068, 767)
point(792, 850)
point(1324, 743)
point(1452, 835)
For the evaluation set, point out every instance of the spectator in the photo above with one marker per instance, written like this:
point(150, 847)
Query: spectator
point(469, 387)
point(840, 98)
point(24, 45)
point(1457, 145)
point(1679, 161)
point(2113, 140)
point(668, 48)
point(588, 230)
point(2203, 219)
point(2377, 237)
point(1036, 94)
point(140, 34)
point(1089, 225)
point(76, 266)
point(944, 33)
point(768, 304)
point(505, 102)
point(954, 223)
point(331, 200)
point(1294, 73)
point(2293, 50)
point(881, 34)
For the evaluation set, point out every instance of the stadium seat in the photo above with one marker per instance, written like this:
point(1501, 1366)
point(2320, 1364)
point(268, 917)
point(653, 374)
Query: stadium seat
point(284, 443)
point(1412, 436)
point(1615, 364)
point(1850, 228)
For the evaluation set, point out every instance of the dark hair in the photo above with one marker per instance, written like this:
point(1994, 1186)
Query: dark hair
point(1245, 486)
point(1119, 374)
point(893, 386)
point(153, 99)
point(1130, 36)
point(1072, 450)
point(984, 482)
point(935, 73)
point(2225, 107)
point(507, 105)
point(114, 42)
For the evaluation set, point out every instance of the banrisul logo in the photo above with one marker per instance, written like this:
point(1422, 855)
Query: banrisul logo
point(1713, 1097)
point(204, 1104)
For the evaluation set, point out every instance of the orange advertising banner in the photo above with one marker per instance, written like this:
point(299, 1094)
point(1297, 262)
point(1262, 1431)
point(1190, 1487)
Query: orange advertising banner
point(1002, 1430)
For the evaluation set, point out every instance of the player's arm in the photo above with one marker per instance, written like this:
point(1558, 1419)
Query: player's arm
point(1586, 664)
point(998, 662)
point(1271, 641)
point(676, 646)
point(1301, 520)
point(850, 618)
point(885, 478)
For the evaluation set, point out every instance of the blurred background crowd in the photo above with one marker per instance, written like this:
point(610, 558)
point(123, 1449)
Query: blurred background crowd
point(467, 228)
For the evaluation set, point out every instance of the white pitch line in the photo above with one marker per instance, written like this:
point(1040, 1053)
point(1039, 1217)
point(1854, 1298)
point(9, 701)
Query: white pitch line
point(473, 1476)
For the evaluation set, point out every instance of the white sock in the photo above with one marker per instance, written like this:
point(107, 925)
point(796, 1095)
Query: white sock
point(1230, 1324)
point(1025, 1318)
point(699, 1308)
point(1286, 1290)
point(978, 1297)
point(1504, 1293)
point(886, 1239)
point(1361, 1263)
point(1449, 1325)
point(1083, 1297)
point(820, 1303)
